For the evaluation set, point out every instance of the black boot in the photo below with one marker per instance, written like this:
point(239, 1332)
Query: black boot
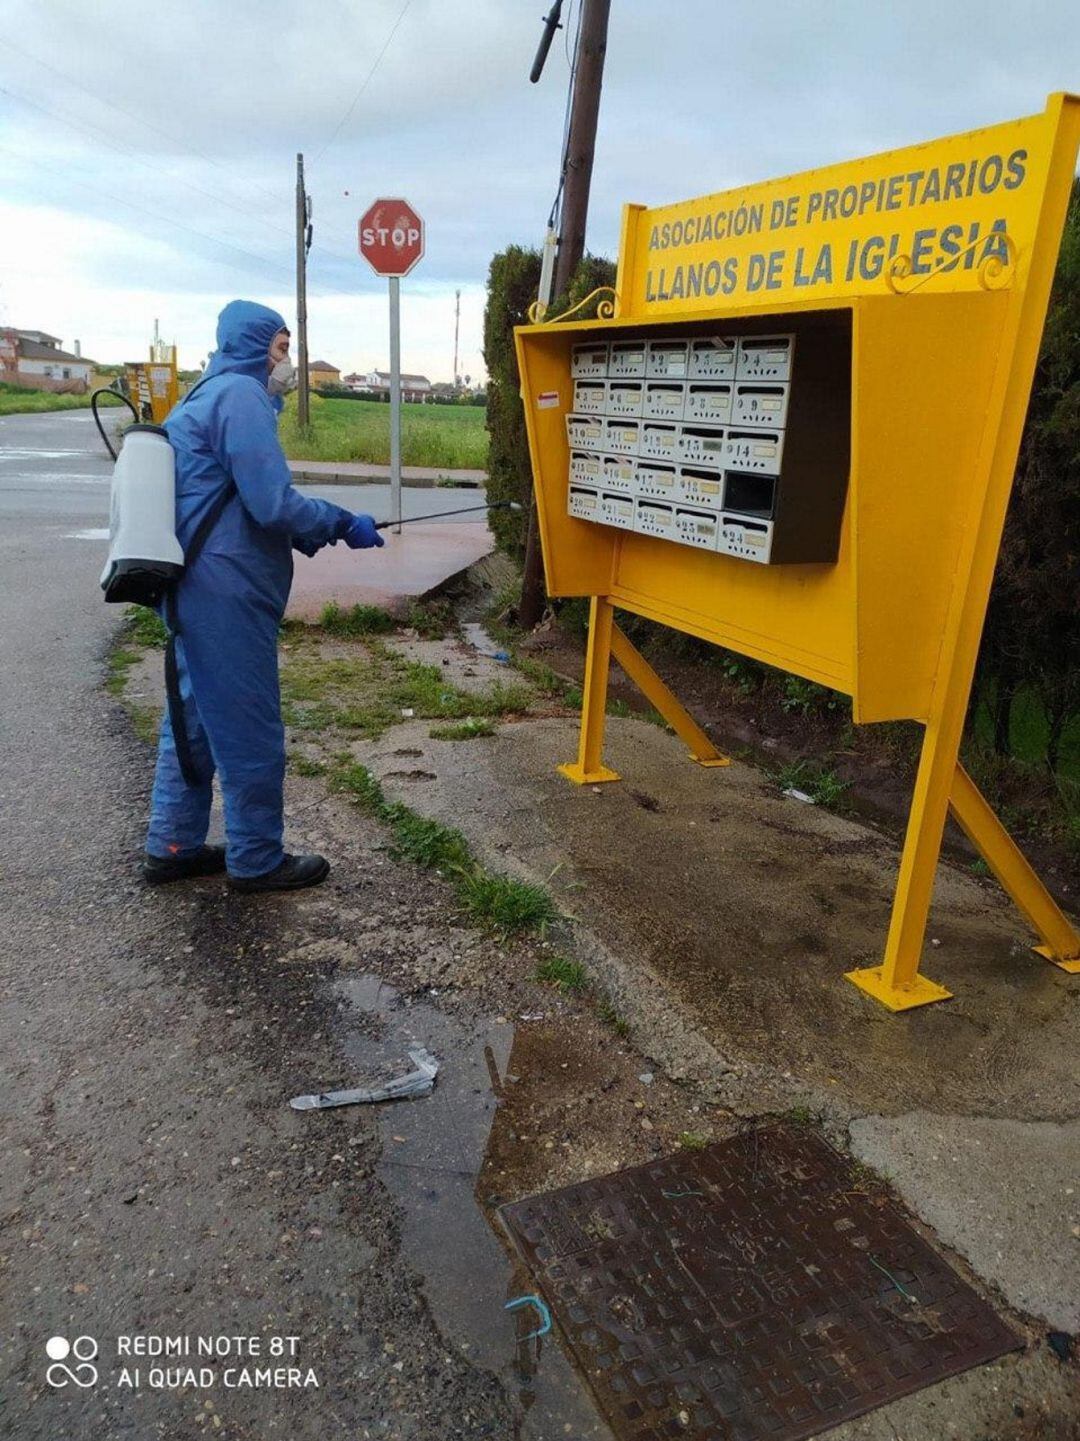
point(294, 873)
point(160, 870)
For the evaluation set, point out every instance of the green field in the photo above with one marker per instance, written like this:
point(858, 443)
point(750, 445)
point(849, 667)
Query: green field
point(452, 436)
point(14, 400)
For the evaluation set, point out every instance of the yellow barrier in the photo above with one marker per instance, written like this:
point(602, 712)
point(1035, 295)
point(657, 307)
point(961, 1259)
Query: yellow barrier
point(889, 310)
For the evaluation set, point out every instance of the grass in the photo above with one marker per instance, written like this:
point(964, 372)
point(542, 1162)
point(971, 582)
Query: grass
point(361, 620)
point(145, 627)
point(305, 766)
point(466, 730)
point(498, 902)
point(566, 975)
point(450, 436)
point(693, 1141)
point(368, 693)
point(605, 1009)
point(120, 662)
point(14, 400)
point(822, 785)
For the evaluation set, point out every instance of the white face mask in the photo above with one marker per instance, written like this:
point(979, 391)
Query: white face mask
point(282, 378)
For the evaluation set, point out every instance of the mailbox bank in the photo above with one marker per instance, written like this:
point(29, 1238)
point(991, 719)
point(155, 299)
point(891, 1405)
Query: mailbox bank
point(793, 431)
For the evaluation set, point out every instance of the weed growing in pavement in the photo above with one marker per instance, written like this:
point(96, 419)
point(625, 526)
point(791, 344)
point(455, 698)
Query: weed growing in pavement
point(979, 867)
point(693, 1141)
point(605, 1009)
point(145, 627)
point(569, 976)
point(305, 766)
point(144, 721)
point(120, 662)
point(361, 620)
point(466, 730)
point(799, 1115)
point(504, 904)
point(431, 619)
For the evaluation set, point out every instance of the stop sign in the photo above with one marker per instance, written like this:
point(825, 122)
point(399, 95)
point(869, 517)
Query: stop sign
point(391, 237)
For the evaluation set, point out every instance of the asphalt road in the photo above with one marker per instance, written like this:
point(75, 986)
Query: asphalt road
point(154, 1183)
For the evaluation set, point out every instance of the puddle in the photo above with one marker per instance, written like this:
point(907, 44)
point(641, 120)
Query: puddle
point(433, 1150)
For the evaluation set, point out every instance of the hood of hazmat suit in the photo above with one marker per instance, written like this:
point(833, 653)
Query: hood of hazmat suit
point(230, 601)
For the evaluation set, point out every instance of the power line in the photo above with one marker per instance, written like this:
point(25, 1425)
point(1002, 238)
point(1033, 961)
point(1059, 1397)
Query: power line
point(158, 130)
point(364, 85)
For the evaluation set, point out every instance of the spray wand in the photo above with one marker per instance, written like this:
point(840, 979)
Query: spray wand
point(467, 510)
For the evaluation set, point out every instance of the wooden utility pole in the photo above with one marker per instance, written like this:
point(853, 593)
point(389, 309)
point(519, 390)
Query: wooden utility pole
point(457, 323)
point(577, 178)
point(303, 409)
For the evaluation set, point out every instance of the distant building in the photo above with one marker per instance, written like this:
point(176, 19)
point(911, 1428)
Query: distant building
point(377, 382)
point(322, 373)
point(31, 358)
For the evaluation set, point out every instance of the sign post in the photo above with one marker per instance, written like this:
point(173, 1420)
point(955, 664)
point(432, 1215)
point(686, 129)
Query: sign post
point(391, 237)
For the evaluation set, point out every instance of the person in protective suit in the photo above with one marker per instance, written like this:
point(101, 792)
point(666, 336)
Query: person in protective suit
point(238, 511)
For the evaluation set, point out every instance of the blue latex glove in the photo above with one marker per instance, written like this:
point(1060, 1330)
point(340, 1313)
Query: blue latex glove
point(360, 534)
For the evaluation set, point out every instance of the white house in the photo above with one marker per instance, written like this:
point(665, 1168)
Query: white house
point(35, 356)
point(413, 387)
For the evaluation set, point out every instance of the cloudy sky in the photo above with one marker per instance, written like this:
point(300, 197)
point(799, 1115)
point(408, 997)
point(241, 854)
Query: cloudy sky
point(147, 152)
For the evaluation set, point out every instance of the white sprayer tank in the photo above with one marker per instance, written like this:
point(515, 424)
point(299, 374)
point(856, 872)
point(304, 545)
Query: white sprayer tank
point(144, 554)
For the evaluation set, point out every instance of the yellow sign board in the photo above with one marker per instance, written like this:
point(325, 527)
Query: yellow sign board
point(910, 289)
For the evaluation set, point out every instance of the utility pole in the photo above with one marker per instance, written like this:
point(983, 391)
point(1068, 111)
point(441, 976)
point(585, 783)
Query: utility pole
point(303, 213)
point(577, 178)
point(457, 322)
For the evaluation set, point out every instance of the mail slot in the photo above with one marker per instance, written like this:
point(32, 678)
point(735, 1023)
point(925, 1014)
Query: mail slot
point(667, 359)
point(702, 444)
point(764, 405)
point(754, 450)
point(653, 517)
point(586, 467)
point(659, 440)
point(585, 432)
point(697, 527)
point(627, 359)
point(700, 487)
point(583, 502)
point(750, 494)
point(624, 397)
point(712, 358)
point(708, 402)
point(617, 510)
point(765, 357)
point(621, 435)
point(656, 480)
point(747, 539)
point(664, 400)
point(589, 361)
point(590, 396)
point(620, 473)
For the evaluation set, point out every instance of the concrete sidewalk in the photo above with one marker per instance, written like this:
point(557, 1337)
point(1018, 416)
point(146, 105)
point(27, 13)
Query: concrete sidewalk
point(355, 472)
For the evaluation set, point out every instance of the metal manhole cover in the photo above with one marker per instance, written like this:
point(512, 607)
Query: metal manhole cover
point(752, 1289)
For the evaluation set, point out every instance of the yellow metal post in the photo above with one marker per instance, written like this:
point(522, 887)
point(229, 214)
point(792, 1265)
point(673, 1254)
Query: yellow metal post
point(666, 702)
point(896, 983)
point(589, 768)
point(1060, 942)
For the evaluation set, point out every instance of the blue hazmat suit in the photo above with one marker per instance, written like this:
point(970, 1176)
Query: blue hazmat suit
point(230, 601)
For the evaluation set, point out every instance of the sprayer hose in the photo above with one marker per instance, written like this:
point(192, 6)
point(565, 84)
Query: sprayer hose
point(108, 390)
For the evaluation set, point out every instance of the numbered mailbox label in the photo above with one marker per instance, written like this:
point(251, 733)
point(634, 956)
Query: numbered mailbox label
point(622, 436)
point(745, 539)
point(700, 487)
point(625, 397)
point(659, 441)
point(583, 503)
point(653, 517)
point(754, 450)
point(585, 432)
point(760, 405)
point(627, 359)
point(712, 357)
point(710, 403)
point(617, 510)
point(589, 361)
point(765, 357)
point(664, 400)
point(620, 473)
point(702, 444)
point(697, 527)
point(590, 396)
point(667, 359)
point(586, 467)
point(658, 481)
